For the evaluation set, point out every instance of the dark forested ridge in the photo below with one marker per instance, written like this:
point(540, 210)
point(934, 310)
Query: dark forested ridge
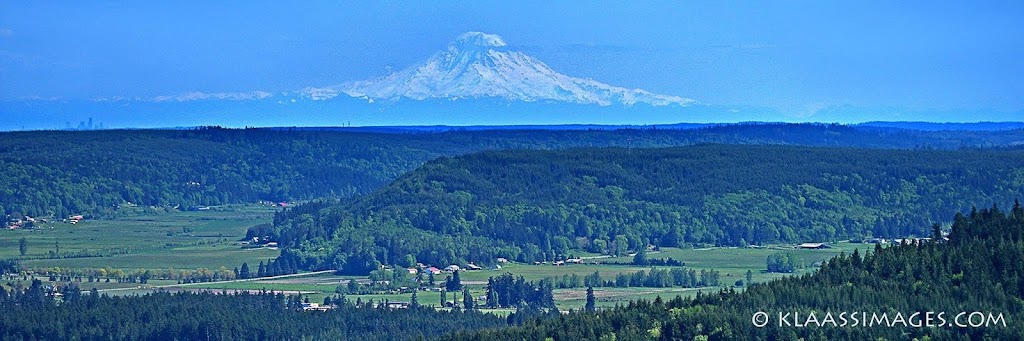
point(32, 315)
point(978, 270)
point(61, 173)
point(932, 126)
point(540, 205)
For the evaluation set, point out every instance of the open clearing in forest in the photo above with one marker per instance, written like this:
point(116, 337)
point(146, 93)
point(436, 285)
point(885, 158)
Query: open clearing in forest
point(732, 263)
point(179, 240)
point(210, 239)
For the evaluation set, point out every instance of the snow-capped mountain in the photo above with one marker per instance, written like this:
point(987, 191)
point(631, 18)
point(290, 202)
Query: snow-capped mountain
point(480, 65)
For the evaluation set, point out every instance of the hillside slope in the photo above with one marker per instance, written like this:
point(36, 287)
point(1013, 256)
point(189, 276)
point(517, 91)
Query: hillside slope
point(92, 172)
point(966, 288)
point(537, 205)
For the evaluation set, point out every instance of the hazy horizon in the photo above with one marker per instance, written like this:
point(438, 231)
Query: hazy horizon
point(140, 65)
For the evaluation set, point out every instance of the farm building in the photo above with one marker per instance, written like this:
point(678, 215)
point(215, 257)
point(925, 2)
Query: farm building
point(813, 246)
point(315, 307)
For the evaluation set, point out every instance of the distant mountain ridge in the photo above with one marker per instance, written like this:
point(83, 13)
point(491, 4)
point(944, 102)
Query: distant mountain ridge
point(43, 177)
point(878, 125)
point(934, 126)
point(481, 65)
point(476, 83)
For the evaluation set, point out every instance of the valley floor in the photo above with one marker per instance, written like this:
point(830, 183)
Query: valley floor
point(209, 241)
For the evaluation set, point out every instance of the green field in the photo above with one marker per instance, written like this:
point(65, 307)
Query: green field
point(607, 297)
point(538, 272)
point(210, 239)
point(179, 240)
point(732, 263)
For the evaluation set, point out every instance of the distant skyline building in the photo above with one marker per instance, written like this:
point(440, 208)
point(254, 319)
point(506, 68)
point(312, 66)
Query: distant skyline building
point(85, 125)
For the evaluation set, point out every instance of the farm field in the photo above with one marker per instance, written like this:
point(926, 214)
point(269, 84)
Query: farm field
point(210, 240)
point(732, 263)
point(179, 240)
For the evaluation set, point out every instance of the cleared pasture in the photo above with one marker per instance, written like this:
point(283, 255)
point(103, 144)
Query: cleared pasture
point(179, 240)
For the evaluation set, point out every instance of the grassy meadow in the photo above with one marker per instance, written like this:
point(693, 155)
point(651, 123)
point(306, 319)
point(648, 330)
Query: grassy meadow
point(179, 240)
point(210, 239)
point(731, 262)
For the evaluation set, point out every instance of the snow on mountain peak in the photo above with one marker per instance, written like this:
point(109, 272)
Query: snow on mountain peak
point(480, 65)
point(478, 39)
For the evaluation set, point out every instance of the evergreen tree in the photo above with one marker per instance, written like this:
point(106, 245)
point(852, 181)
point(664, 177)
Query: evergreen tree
point(244, 272)
point(640, 259)
point(591, 300)
point(414, 302)
point(71, 293)
point(352, 287)
point(971, 271)
point(274, 268)
point(454, 283)
point(492, 297)
point(467, 299)
point(23, 246)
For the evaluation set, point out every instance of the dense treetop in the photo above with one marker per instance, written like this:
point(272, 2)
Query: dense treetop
point(538, 205)
point(92, 172)
point(31, 315)
point(976, 270)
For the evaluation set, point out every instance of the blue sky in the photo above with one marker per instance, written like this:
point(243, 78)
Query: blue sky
point(791, 56)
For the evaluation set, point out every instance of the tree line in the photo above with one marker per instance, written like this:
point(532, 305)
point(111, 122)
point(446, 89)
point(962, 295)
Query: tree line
point(93, 173)
point(975, 270)
point(507, 291)
point(653, 278)
point(533, 206)
point(33, 314)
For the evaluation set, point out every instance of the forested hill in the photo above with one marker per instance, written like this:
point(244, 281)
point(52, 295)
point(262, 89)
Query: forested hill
point(32, 314)
point(534, 205)
point(92, 172)
point(930, 126)
point(969, 287)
